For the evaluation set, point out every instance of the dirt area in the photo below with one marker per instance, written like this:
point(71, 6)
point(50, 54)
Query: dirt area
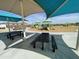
point(58, 29)
point(71, 28)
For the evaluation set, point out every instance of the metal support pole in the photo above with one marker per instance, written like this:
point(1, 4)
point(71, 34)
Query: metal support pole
point(77, 45)
point(8, 24)
point(22, 14)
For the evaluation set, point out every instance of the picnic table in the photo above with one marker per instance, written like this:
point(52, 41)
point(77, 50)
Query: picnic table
point(13, 34)
point(44, 37)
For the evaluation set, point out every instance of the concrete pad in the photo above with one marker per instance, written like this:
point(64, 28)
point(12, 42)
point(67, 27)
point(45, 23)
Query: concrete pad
point(14, 53)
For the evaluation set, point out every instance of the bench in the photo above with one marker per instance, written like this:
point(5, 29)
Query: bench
point(13, 34)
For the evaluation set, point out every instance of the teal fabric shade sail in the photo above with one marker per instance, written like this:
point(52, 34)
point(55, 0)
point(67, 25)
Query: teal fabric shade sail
point(71, 6)
point(50, 6)
point(11, 16)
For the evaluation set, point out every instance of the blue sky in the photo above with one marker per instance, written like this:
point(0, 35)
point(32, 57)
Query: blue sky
point(39, 17)
point(66, 18)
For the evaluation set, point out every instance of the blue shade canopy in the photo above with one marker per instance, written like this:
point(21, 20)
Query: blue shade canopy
point(11, 16)
point(50, 6)
point(71, 6)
